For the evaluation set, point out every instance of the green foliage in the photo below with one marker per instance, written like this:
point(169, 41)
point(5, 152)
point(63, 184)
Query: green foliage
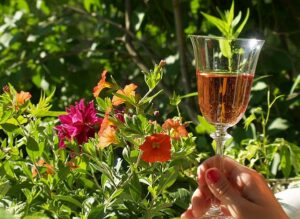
point(227, 25)
point(273, 158)
point(87, 181)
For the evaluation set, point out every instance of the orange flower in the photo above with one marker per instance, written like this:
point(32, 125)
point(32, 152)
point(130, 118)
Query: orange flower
point(107, 132)
point(156, 148)
point(101, 84)
point(128, 91)
point(22, 97)
point(177, 130)
point(72, 165)
point(42, 163)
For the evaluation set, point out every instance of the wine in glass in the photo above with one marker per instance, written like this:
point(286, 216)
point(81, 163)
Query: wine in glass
point(225, 69)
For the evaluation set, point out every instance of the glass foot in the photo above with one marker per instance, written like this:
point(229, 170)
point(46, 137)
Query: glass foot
point(215, 213)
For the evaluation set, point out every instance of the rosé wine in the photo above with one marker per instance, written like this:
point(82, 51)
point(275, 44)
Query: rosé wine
point(223, 97)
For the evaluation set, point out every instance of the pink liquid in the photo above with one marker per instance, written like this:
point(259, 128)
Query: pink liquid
point(223, 97)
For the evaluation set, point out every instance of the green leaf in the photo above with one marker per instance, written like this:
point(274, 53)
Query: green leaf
point(43, 106)
point(89, 3)
point(168, 179)
point(249, 120)
point(279, 124)
point(5, 116)
point(295, 84)
point(252, 149)
point(295, 156)
point(9, 127)
point(221, 25)
point(97, 212)
point(7, 215)
point(4, 188)
point(103, 104)
point(135, 187)
point(259, 86)
point(240, 28)
point(115, 194)
point(150, 99)
point(43, 7)
point(34, 149)
point(51, 113)
point(275, 164)
point(225, 48)
point(175, 99)
point(236, 19)
point(152, 78)
point(230, 15)
point(8, 169)
point(104, 169)
point(204, 126)
point(285, 162)
point(68, 199)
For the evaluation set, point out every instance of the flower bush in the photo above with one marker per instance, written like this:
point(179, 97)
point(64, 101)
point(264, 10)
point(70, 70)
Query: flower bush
point(110, 157)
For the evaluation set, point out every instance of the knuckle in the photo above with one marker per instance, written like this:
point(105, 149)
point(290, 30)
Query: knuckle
point(223, 189)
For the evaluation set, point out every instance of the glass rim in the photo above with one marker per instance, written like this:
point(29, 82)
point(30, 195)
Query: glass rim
point(223, 38)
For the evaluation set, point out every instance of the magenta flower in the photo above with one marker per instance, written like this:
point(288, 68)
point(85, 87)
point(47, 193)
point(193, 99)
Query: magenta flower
point(80, 123)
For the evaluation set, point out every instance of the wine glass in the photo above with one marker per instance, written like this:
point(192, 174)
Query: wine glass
point(225, 70)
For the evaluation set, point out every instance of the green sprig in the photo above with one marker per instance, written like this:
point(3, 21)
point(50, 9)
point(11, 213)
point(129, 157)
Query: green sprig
point(228, 25)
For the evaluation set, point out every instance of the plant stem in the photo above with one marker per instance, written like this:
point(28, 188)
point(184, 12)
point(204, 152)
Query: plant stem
point(145, 96)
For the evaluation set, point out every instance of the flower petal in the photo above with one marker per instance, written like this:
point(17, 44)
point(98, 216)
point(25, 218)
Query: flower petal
point(101, 84)
point(156, 148)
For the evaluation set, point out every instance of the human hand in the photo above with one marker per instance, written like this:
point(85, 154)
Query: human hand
point(242, 192)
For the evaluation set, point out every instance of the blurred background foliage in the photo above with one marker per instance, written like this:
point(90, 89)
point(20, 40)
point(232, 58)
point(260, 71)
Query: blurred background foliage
point(65, 44)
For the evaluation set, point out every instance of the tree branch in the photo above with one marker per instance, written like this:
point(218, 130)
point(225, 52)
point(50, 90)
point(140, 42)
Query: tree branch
point(182, 58)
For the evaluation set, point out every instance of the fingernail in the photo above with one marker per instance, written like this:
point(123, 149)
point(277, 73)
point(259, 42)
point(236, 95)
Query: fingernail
point(213, 175)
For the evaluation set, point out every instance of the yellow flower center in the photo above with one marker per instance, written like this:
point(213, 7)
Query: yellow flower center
point(155, 145)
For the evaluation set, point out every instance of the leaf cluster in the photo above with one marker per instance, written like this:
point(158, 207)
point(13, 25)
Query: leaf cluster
point(227, 24)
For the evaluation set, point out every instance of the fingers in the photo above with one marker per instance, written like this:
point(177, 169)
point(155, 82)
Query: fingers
point(222, 188)
point(188, 214)
point(200, 202)
point(228, 166)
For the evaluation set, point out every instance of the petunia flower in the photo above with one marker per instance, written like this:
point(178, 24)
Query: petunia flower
point(101, 84)
point(107, 132)
point(80, 123)
point(177, 130)
point(128, 91)
point(72, 165)
point(22, 97)
point(42, 163)
point(156, 148)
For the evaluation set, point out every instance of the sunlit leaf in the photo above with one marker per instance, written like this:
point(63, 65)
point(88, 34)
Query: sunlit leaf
point(240, 28)
point(285, 162)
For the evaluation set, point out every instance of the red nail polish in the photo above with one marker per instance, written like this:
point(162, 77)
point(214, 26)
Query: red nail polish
point(213, 175)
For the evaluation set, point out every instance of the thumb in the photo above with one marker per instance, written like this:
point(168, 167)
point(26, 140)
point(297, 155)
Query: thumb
point(222, 189)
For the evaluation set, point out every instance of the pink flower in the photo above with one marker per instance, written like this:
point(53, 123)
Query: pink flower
point(119, 114)
point(80, 123)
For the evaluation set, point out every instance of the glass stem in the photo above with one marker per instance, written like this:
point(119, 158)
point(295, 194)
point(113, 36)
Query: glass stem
point(220, 136)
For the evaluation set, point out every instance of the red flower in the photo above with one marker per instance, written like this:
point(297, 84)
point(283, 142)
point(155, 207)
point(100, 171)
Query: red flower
point(177, 130)
point(79, 124)
point(156, 148)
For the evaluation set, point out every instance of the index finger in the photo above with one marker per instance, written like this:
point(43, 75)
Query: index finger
point(224, 163)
